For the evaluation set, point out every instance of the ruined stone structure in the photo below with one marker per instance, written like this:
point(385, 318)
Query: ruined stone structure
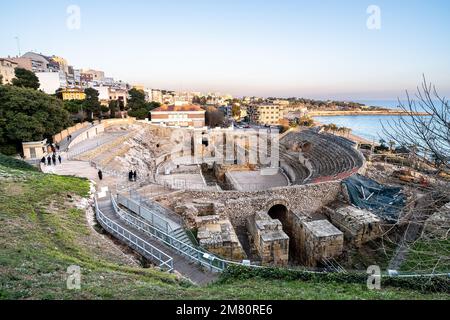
point(218, 236)
point(269, 239)
point(319, 240)
point(302, 200)
point(277, 201)
point(359, 226)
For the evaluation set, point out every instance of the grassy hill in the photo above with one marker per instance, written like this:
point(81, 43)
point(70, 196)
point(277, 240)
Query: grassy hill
point(44, 230)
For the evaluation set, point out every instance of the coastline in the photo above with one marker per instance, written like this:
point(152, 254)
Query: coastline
point(350, 136)
point(389, 112)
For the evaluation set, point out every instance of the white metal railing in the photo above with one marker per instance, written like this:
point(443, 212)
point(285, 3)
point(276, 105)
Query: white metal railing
point(202, 257)
point(165, 261)
point(155, 219)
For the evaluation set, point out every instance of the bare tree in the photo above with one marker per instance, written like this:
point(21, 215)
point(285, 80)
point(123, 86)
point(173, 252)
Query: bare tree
point(428, 135)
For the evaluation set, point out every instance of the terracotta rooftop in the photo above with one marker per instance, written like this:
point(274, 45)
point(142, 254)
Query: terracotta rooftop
point(191, 107)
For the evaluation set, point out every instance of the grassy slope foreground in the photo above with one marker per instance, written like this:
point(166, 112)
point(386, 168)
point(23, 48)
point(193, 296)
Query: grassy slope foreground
point(43, 232)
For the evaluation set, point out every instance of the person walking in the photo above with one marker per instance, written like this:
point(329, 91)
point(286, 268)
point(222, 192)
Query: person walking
point(130, 175)
point(54, 159)
point(100, 174)
point(59, 159)
point(49, 160)
point(134, 175)
point(43, 160)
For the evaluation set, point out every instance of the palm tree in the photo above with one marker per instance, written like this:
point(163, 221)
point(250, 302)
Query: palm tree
point(333, 128)
point(391, 145)
point(349, 131)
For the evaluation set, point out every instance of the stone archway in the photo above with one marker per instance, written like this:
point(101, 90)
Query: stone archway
point(280, 212)
point(279, 209)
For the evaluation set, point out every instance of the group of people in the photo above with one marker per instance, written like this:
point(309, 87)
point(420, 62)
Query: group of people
point(69, 137)
point(51, 159)
point(132, 175)
point(53, 149)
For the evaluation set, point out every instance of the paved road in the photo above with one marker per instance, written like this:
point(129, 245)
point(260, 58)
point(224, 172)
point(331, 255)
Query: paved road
point(72, 168)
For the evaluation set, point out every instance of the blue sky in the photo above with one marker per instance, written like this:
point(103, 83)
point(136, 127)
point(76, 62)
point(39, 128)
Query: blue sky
point(317, 49)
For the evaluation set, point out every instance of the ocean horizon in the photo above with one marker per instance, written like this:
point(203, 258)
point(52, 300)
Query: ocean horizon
point(366, 126)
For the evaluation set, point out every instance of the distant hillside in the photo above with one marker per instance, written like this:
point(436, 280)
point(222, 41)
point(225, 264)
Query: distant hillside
point(44, 230)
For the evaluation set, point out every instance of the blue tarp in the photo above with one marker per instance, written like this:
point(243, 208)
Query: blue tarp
point(384, 201)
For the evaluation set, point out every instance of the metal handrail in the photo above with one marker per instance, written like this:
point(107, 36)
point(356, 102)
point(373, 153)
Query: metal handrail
point(156, 220)
point(203, 258)
point(164, 259)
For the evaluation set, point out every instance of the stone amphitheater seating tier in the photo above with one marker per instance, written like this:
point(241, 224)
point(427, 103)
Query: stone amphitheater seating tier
point(331, 157)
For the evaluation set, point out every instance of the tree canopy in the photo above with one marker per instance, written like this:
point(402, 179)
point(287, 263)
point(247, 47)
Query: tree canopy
point(25, 79)
point(91, 103)
point(137, 105)
point(214, 117)
point(28, 115)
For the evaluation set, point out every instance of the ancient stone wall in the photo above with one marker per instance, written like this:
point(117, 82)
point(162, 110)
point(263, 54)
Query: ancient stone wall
point(302, 199)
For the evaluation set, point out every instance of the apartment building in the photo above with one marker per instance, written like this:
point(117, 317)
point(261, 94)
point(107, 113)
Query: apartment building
point(179, 116)
point(7, 70)
point(62, 63)
point(265, 114)
point(50, 82)
point(156, 95)
point(73, 94)
point(23, 63)
point(94, 75)
point(107, 94)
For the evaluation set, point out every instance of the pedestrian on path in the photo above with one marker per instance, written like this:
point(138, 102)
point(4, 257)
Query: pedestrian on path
point(130, 175)
point(57, 147)
point(49, 161)
point(134, 175)
point(54, 159)
point(43, 160)
point(100, 174)
point(59, 159)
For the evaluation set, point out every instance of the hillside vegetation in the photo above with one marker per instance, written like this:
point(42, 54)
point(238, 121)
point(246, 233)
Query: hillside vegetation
point(44, 230)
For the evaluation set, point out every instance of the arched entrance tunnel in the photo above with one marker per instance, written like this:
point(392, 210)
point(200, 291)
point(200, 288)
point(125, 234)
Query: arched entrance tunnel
point(286, 217)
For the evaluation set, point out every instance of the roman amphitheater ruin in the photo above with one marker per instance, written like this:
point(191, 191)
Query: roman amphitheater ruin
point(220, 196)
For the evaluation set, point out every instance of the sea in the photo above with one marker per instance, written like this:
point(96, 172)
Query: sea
point(368, 127)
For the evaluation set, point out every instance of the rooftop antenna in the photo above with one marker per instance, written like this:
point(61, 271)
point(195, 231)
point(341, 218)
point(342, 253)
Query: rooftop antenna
point(18, 44)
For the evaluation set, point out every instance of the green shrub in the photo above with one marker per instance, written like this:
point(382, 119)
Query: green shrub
point(15, 163)
point(423, 284)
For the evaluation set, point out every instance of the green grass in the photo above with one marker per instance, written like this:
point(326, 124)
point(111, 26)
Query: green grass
point(12, 163)
point(42, 233)
point(431, 255)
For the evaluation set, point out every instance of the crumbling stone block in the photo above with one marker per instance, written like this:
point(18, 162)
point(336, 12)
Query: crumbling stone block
point(219, 237)
point(359, 226)
point(320, 240)
point(269, 239)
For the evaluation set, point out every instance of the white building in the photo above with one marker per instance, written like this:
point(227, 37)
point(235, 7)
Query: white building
point(51, 81)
